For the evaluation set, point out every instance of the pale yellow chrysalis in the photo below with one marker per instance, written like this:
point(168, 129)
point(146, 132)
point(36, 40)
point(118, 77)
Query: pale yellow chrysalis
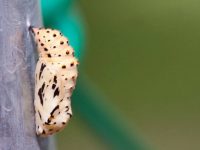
point(55, 79)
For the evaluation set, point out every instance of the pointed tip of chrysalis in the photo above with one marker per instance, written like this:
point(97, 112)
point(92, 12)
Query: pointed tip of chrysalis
point(31, 28)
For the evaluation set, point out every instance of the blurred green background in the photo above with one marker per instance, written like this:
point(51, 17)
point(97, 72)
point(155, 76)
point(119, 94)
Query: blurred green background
point(143, 56)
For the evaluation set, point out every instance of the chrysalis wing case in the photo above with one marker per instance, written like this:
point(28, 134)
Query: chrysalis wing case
point(55, 79)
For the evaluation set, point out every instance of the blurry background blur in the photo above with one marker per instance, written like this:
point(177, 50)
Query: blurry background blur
point(142, 57)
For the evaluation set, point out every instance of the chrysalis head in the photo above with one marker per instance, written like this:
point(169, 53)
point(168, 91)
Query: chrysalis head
point(51, 43)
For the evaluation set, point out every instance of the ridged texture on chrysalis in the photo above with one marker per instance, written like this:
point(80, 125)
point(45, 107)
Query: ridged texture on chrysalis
point(55, 79)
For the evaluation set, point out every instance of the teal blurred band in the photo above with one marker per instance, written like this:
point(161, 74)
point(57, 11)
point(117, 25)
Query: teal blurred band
point(53, 8)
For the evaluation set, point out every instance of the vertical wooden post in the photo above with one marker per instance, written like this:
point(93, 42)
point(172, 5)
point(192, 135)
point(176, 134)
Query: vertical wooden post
point(17, 65)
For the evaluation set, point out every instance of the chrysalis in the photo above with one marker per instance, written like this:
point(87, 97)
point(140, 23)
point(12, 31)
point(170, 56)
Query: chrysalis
point(55, 79)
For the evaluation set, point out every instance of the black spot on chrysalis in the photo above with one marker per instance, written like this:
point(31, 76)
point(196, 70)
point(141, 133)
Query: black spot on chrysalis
point(57, 107)
point(48, 121)
point(72, 64)
point(56, 92)
point(40, 92)
point(70, 115)
point(41, 69)
point(43, 132)
point(40, 116)
point(53, 86)
point(49, 55)
point(73, 78)
point(55, 79)
point(67, 108)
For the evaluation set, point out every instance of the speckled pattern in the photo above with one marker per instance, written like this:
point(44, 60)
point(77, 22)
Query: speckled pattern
point(55, 79)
